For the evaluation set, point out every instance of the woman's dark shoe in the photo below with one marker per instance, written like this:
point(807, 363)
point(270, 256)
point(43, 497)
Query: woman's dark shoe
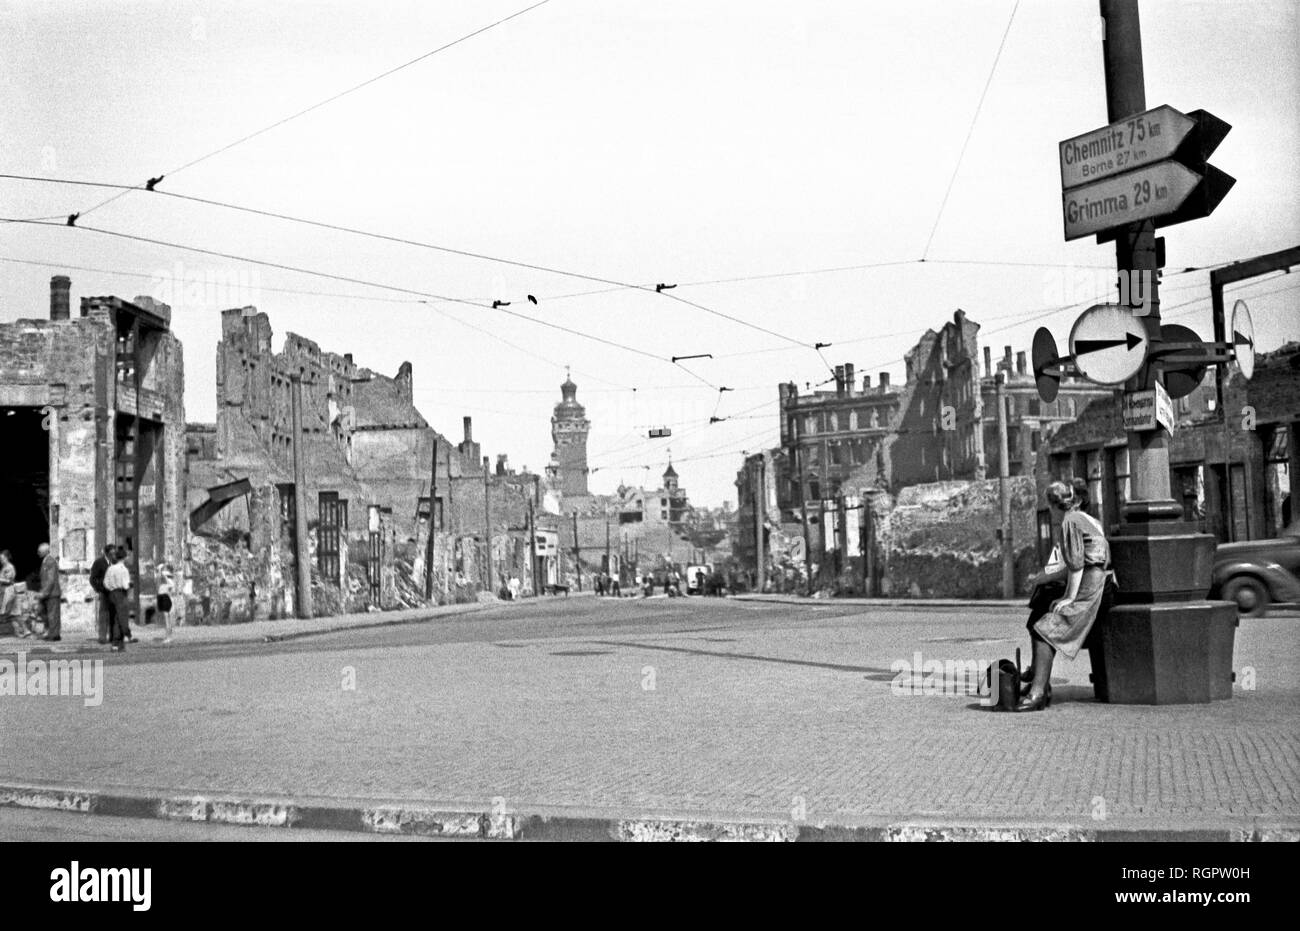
point(1027, 703)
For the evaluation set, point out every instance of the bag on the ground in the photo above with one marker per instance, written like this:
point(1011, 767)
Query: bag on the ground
point(1005, 685)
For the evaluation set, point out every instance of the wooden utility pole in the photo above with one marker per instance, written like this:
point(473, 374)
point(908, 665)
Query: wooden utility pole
point(301, 558)
point(487, 524)
point(577, 551)
point(1004, 491)
point(429, 546)
point(803, 508)
point(759, 503)
point(446, 582)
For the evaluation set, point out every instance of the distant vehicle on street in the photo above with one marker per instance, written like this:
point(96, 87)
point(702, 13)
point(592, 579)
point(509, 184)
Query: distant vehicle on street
point(1257, 573)
point(696, 576)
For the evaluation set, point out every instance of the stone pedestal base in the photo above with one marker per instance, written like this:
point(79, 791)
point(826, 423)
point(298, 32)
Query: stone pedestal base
point(1164, 654)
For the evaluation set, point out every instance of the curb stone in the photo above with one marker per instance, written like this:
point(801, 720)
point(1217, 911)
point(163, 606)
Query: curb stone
point(918, 603)
point(469, 823)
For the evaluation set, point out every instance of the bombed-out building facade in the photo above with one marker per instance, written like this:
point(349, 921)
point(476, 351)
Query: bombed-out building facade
point(890, 488)
point(397, 514)
point(92, 424)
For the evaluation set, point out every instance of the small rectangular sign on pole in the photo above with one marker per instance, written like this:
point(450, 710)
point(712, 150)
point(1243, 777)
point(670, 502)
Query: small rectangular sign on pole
point(1164, 408)
point(1148, 409)
point(1139, 410)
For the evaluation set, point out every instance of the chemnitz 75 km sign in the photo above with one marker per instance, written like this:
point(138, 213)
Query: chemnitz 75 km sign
point(1132, 143)
point(1136, 195)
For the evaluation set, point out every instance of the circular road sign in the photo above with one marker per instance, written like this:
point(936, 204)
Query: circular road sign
point(1243, 339)
point(1182, 378)
point(1045, 354)
point(1108, 344)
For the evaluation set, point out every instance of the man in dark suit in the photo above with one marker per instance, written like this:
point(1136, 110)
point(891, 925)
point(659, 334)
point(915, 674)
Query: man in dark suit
point(51, 594)
point(97, 570)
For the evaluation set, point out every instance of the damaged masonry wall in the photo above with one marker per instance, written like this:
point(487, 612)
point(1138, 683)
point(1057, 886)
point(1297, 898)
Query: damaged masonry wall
point(91, 419)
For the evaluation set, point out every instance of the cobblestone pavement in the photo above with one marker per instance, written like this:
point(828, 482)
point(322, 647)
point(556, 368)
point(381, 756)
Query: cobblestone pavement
point(702, 707)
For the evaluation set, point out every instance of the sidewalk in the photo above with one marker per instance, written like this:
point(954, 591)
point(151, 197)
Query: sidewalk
point(1021, 602)
point(269, 631)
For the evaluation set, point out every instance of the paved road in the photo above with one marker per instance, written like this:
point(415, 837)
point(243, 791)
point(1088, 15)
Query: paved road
point(678, 707)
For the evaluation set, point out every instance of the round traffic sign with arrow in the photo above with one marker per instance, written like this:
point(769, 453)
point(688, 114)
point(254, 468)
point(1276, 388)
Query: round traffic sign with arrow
point(1047, 371)
point(1243, 339)
point(1108, 344)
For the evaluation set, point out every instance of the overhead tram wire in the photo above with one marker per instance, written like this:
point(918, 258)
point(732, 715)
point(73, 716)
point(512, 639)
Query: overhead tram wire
point(528, 352)
point(316, 106)
point(373, 284)
point(449, 250)
point(970, 131)
point(65, 266)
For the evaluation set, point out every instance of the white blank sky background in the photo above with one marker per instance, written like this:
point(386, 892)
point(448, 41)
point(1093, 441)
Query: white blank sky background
point(644, 142)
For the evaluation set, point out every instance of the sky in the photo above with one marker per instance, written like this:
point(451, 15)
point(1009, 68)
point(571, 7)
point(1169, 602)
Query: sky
point(806, 148)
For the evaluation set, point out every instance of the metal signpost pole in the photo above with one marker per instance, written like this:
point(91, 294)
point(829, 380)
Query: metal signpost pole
point(1163, 643)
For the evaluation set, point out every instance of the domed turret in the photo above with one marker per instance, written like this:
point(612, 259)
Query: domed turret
point(569, 429)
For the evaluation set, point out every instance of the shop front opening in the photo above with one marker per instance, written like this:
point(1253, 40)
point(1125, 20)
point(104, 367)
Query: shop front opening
point(24, 487)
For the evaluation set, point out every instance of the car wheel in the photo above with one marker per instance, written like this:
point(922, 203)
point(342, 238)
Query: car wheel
point(1250, 595)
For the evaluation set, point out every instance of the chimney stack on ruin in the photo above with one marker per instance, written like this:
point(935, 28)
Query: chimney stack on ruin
point(848, 378)
point(866, 384)
point(60, 296)
point(884, 382)
point(1006, 358)
point(988, 362)
point(468, 423)
point(503, 464)
point(1020, 364)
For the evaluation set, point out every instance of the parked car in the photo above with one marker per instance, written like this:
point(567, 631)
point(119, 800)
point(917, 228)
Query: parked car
point(1257, 573)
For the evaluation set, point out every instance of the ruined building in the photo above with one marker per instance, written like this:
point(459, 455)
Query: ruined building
point(377, 478)
point(895, 479)
point(241, 476)
point(92, 428)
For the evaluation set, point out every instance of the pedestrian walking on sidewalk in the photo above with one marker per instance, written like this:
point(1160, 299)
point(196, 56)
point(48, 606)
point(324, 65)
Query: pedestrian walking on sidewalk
point(117, 583)
point(50, 597)
point(9, 613)
point(163, 604)
point(97, 570)
point(1067, 623)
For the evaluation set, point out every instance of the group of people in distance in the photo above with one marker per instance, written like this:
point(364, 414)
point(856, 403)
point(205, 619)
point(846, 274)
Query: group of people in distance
point(109, 578)
point(49, 597)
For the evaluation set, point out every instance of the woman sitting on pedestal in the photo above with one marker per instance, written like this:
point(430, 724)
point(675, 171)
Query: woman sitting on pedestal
point(1065, 626)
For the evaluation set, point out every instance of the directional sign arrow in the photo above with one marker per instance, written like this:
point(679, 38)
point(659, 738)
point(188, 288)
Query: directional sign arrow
point(1122, 146)
point(1108, 344)
point(1083, 346)
point(1240, 340)
point(1201, 202)
point(1149, 192)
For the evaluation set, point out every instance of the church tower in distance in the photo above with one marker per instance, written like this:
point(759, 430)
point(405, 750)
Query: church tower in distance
point(569, 429)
